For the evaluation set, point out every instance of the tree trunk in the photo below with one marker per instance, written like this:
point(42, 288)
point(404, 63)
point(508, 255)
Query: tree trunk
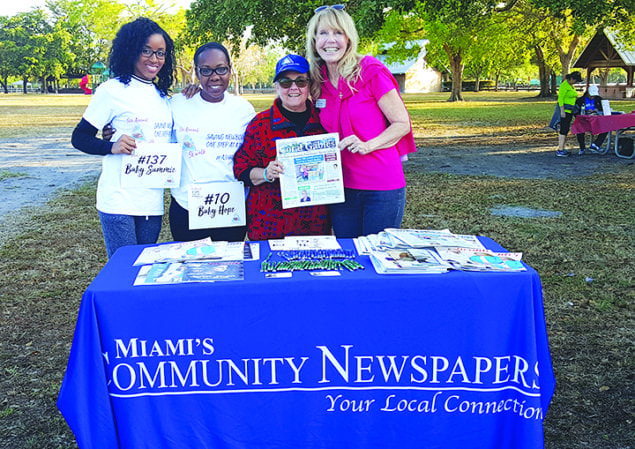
point(456, 66)
point(554, 83)
point(24, 83)
point(496, 78)
point(566, 58)
point(543, 74)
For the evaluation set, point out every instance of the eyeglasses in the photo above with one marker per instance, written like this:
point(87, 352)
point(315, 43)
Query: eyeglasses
point(287, 82)
point(208, 71)
point(148, 52)
point(322, 8)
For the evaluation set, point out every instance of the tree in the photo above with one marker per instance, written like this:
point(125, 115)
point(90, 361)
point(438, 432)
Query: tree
point(9, 53)
point(451, 26)
point(28, 32)
point(92, 25)
point(596, 14)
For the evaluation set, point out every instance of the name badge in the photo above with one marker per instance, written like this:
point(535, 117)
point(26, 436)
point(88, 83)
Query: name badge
point(321, 103)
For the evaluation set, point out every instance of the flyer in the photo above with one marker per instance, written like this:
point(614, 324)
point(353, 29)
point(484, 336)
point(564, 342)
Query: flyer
point(152, 165)
point(216, 204)
point(312, 170)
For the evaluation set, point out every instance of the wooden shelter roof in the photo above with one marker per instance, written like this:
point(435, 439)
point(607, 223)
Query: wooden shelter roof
point(605, 51)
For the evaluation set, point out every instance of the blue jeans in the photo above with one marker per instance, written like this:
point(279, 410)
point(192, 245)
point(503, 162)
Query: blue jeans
point(367, 212)
point(122, 230)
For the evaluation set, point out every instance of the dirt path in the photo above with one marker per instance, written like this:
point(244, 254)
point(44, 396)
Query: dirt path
point(509, 159)
point(33, 170)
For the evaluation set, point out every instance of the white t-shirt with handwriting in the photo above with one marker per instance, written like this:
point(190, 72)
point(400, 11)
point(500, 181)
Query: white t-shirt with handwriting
point(138, 110)
point(210, 134)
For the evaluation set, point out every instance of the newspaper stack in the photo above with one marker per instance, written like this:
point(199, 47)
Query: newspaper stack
point(432, 251)
point(199, 261)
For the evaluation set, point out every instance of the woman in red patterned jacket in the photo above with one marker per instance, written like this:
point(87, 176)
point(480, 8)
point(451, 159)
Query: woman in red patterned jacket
point(291, 115)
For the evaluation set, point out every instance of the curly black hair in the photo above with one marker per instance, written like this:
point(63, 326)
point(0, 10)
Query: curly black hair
point(126, 49)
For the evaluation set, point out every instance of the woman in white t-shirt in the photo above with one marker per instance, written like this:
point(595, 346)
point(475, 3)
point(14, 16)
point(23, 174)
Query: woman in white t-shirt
point(135, 101)
point(211, 126)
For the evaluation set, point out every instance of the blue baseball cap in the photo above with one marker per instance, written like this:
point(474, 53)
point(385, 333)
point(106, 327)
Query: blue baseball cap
point(291, 62)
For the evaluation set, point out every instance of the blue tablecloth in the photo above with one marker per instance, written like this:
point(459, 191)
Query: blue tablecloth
point(456, 360)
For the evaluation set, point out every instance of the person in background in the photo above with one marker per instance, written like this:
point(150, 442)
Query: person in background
point(291, 115)
point(567, 96)
point(211, 126)
point(359, 99)
point(590, 104)
point(135, 101)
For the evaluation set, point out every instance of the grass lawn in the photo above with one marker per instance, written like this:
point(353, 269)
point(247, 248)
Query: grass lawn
point(585, 257)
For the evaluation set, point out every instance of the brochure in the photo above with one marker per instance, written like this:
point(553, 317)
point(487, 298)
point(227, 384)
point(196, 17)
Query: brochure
point(312, 170)
point(408, 261)
point(203, 249)
point(184, 272)
point(469, 259)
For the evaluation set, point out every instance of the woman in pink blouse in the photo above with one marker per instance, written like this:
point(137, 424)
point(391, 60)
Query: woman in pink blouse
point(358, 98)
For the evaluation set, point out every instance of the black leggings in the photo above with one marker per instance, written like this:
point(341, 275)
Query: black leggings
point(181, 232)
point(565, 124)
point(599, 140)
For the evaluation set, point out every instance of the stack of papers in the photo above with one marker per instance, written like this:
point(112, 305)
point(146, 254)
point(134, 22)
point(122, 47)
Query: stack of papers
point(432, 251)
point(198, 261)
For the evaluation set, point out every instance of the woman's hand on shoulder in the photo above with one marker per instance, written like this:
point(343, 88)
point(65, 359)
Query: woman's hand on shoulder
point(190, 90)
point(125, 145)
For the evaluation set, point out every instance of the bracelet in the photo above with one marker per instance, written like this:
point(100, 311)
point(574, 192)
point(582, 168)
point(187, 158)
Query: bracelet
point(264, 175)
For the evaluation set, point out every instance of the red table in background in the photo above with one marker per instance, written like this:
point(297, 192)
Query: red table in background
point(598, 124)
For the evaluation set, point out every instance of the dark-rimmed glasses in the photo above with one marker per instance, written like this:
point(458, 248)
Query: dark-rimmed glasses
point(322, 8)
point(148, 52)
point(287, 82)
point(208, 71)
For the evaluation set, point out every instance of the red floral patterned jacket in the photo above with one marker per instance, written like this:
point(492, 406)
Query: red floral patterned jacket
point(266, 219)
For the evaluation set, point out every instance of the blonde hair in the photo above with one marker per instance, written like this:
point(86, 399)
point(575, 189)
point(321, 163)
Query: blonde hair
point(348, 67)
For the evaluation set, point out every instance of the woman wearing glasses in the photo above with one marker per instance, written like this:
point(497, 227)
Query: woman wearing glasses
point(210, 125)
point(359, 99)
point(135, 101)
point(291, 115)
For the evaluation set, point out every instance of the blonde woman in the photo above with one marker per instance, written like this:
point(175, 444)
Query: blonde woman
point(358, 98)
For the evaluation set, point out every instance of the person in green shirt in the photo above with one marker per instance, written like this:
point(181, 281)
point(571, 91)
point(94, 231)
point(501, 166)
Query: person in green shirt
point(567, 96)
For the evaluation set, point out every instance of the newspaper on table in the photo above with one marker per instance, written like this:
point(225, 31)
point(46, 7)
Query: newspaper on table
point(152, 165)
point(408, 261)
point(470, 259)
point(312, 170)
point(420, 238)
